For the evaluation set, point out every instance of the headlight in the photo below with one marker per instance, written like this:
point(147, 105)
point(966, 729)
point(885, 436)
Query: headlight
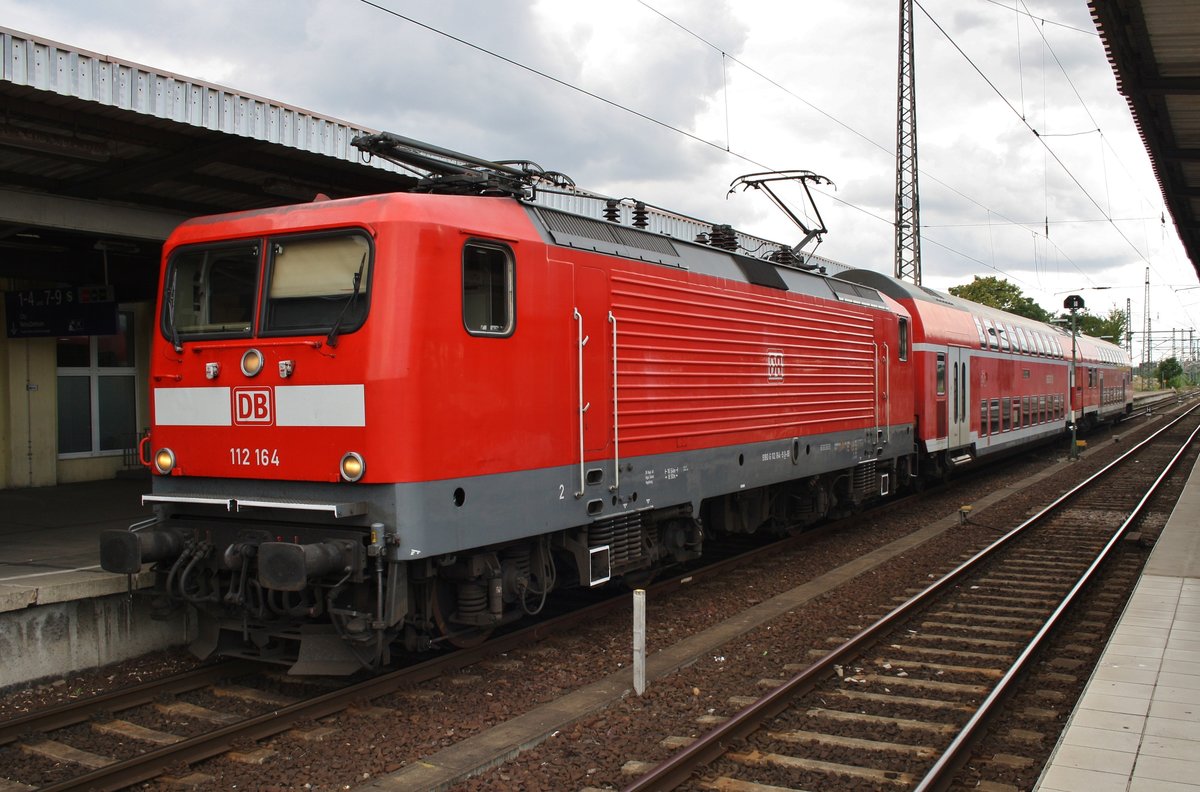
point(353, 466)
point(252, 362)
point(164, 460)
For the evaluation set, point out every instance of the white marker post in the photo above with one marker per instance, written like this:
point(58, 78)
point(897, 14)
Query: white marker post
point(639, 641)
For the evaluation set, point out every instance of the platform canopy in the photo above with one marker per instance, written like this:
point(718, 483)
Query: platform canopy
point(100, 158)
point(1154, 48)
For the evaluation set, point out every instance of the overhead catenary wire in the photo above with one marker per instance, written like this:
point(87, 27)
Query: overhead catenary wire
point(565, 84)
point(730, 151)
point(1031, 128)
point(1045, 21)
point(1041, 139)
point(889, 152)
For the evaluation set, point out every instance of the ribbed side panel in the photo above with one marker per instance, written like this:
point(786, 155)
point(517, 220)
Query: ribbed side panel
point(698, 361)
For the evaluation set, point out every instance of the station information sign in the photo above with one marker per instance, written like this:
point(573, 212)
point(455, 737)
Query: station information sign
point(69, 311)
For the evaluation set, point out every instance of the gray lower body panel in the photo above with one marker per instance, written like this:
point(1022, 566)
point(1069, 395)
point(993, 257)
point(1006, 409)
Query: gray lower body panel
point(447, 516)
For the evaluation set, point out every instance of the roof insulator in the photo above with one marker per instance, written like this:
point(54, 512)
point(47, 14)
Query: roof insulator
point(724, 237)
point(785, 256)
point(612, 211)
point(640, 215)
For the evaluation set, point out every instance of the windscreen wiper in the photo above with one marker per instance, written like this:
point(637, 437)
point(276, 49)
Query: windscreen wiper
point(171, 312)
point(331, 339)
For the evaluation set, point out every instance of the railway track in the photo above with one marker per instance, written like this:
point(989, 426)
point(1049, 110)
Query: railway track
point(900, 705)
point(92, 744)
point(130, 753)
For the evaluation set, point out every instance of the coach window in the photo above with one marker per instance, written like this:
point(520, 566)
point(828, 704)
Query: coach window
point(317, 284)
point(995, 419)
point(941, 374)
point(97, 392)
point(982, 335)
point(1026, 418)
point(983, 417)
point(488, 289)
point(903, 330)
point(1005, 415)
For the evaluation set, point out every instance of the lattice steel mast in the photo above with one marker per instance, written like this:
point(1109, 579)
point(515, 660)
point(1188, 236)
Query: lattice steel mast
point(908, 209)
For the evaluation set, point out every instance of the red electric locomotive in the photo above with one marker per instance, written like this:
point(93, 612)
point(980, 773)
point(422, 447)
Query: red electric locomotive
point(414, 415)
point(407, 418)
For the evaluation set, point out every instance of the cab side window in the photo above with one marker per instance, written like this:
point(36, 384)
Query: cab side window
point(489, 293)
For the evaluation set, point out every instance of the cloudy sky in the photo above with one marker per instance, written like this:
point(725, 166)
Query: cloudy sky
point(669, 100)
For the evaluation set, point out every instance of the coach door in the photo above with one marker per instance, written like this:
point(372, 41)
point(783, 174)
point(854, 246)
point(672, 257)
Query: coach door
point(959, 416)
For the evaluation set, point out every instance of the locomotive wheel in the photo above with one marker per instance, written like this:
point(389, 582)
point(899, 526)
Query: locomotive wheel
point(444, 603)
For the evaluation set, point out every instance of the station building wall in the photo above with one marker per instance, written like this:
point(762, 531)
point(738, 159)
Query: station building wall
point(48, 420)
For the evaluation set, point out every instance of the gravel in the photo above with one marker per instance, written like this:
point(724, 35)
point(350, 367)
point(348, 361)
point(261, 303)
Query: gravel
point(592, 751)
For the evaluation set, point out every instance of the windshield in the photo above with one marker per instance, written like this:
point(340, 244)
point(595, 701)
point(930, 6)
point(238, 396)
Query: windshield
point(316, 284)
point(211, 292)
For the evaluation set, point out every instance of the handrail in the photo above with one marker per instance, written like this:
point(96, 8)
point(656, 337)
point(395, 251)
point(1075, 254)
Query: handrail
point(875, 383)
point(616, 424)
point(582, 407)
point(887, 390)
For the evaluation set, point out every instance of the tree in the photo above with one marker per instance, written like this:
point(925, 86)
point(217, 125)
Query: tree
point(1168, 371)
point(1111, 327)
point(999, 293)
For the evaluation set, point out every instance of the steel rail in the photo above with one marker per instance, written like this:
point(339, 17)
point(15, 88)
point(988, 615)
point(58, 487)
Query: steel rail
point(678, 768)
point(73, 712)
point(941, 775)
point(153, 763)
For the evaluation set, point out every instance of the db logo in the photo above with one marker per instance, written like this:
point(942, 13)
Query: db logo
point(775, 365)
point(252, 405)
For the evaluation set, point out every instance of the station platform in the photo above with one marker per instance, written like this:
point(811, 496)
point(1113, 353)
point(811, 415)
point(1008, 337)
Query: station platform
point(49, 539)
point(59, 611)
point(1137, 726)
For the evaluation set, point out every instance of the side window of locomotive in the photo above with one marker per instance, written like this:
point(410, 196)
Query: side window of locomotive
point(903, 329)
point(210, 292)
point(488, 290)
point(317, 284)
